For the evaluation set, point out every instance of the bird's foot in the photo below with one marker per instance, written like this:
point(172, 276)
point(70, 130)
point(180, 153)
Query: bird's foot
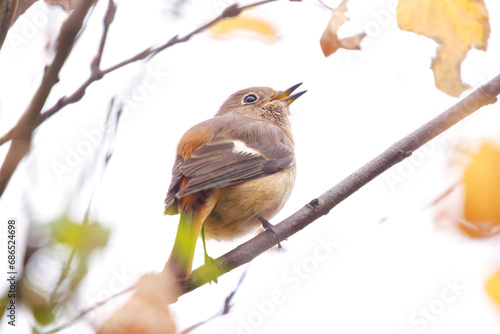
point(269, 227)
point(208, 259)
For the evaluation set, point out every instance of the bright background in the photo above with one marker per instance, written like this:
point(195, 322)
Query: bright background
point(405, 275)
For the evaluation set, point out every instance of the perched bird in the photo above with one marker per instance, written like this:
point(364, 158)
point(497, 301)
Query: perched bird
point(232, 172)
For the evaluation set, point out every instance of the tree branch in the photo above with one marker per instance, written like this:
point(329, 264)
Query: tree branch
point(320, 206)
point(22, 132)
point(97, 74)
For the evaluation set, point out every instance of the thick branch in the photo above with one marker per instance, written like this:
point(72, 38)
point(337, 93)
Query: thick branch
point(320, 206)
point(22, 132)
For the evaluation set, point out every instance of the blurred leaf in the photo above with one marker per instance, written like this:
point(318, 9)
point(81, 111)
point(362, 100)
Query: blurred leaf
point(493, 287)
point(80, 272)
point(146, 311)
point(37, 301)
point(43, 315)
point(330, 41)
point(259, 28)
point(458, 25)
point(84, 237)
point(3, 304)
point(472, 203)
point(482, 192)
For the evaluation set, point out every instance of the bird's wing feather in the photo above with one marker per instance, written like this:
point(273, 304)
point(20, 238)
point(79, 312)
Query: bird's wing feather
point(175, 184)
point(223, 162)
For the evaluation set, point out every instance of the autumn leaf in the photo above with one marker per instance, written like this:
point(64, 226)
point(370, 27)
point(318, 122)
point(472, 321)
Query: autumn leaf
point(330, 42)
point(493, 287)
point(245, 25)
point(472, 204)
point(482, 191)
point(457, 25)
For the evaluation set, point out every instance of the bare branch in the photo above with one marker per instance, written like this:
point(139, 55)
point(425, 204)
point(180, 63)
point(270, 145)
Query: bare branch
point(225, 309)
point(108, 19)
point(322, 205)
point(108, 149)
point(22, 132)
point(98, 74)
point(87, 310)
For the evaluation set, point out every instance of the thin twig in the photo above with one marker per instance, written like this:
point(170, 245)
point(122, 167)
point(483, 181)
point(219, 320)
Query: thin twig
point(484, 95)
point(148, 53)
point(225, 309)
point(107, 156)
point(87, 310)
point(95, 69)
point(23, 130)
point(443, 194)
point(108, 19)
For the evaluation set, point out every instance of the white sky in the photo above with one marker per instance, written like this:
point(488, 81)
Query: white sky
point(379, 278)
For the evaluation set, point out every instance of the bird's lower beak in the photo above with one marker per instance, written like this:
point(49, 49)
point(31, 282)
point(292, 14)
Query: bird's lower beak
point(285, 95)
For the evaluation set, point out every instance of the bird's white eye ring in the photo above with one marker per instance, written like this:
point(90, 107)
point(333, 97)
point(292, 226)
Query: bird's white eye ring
point(250, 98)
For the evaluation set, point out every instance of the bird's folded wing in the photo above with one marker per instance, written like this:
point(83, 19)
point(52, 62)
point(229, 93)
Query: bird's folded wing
point(223, 162)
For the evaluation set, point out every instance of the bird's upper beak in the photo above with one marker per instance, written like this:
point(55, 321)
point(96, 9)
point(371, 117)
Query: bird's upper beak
point(285, 95)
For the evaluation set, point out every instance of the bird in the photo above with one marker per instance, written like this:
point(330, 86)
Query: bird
point(232, 173)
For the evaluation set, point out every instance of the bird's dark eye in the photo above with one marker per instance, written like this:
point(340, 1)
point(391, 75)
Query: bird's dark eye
point(250, 98)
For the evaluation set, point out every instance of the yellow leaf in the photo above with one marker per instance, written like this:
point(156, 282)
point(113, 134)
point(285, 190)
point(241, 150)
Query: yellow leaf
point(330, 42)
point(493, 287)
point(482, 191)
point(457, 25)
point(235, 26)
point(472, 204)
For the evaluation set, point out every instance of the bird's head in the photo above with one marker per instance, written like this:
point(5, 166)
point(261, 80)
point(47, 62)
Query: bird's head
point(261, 103)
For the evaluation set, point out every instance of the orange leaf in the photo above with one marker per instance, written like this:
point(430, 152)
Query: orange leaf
point(458, 25)
point(257, 28)
point(330, 42)
point(493, 287)
point(482, 191)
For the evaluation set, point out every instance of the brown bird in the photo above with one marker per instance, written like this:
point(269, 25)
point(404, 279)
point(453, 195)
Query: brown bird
point(232, 172)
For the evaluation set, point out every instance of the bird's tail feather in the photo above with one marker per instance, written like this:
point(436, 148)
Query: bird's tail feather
point(181, 258)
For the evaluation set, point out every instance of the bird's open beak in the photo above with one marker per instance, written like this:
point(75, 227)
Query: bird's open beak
point(285, 95)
